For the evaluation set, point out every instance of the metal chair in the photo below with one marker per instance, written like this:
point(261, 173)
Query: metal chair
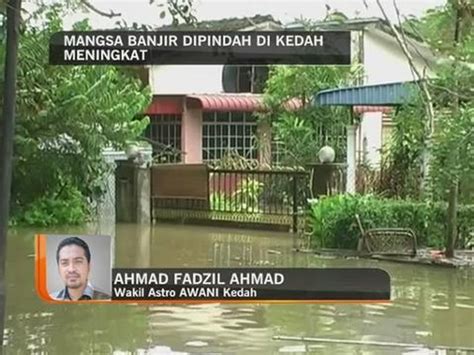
point(387, 241)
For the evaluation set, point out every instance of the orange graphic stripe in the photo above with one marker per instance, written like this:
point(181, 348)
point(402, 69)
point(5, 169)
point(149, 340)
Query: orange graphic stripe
point(40, 270)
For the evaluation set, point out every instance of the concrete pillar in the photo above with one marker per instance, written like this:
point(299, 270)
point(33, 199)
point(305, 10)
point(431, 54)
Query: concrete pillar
point(143, 193)
point(126, 199)
point(143, 245)
point(142, 188)
point(191, 135)
point(265, 142)
point(371, 136)
point(351, 159)
point(106, 206)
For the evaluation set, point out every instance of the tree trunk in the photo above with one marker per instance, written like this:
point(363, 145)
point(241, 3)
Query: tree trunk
point(454, 188)
point(452, 219)
point(6, 144)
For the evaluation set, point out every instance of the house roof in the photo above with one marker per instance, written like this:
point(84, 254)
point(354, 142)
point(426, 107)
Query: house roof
point(226, 102)
point(235, 103)
point(268, 23)
point(227, 24)
point(165, 104)
point(392, 94)
point(356, 23)
point(258, 22)
point(351, 24)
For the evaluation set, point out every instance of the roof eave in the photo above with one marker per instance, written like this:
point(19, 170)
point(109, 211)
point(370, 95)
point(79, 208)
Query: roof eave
point(391, 94)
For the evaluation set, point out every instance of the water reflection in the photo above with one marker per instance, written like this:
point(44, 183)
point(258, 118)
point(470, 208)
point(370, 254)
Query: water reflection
point(431, 306)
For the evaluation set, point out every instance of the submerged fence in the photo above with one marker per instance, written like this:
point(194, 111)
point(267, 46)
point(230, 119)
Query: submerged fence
point(277, 193)
point(245, 196)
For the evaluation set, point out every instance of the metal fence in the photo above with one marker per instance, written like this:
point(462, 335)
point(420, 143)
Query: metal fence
point(247, 196)
point(279, 193)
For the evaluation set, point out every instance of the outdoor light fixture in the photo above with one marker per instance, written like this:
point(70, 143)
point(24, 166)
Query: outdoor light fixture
point(326, 154)
point(140, 155)
point(132, 151)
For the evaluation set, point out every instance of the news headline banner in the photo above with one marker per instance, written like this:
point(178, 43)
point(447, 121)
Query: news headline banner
point(200, 47)
point(250, 284)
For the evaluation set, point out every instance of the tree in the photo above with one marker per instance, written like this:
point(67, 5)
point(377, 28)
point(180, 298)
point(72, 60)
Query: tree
point(178, 10)
point(401, 172)
point(299, 134)
point(448, 100)
point(66, 116)
point(7, 128)
point(10, 10)
point(454, 100)
point(302, 133)
point(438, 25)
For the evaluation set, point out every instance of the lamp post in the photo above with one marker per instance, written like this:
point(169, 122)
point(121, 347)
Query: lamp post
point(324, 180)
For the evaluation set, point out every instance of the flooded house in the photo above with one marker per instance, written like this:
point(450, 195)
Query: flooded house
point(202, 111)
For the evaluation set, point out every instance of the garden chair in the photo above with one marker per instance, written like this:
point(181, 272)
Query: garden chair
point(387, 241)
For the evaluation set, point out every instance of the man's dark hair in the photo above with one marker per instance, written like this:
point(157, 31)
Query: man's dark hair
point(74, 241)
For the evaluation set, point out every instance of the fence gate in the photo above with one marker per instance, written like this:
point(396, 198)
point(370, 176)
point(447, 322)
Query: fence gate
point(195, 193)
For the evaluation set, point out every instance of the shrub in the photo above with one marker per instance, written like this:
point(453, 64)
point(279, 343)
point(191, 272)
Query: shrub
point(220, 202)
point(67, 208)
point(333, 223)
point(244, 199)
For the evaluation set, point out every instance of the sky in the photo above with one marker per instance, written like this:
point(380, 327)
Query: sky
point(286, 11)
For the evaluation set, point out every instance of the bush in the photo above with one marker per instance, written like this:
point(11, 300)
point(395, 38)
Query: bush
point(333, 223)
point(244, 199)
point(67, 208)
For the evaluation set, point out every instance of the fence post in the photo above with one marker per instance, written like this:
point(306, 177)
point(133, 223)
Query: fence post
point(295, 204)
point(143, 195)
point(208, 201)
point(351, 159)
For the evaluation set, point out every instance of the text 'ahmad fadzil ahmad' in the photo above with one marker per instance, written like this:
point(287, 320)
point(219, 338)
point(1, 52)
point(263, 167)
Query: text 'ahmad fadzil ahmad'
point(198, 279)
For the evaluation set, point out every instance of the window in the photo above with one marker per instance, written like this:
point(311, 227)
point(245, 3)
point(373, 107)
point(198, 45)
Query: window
point(224, 132)
point(165, 133)
point(242, 79)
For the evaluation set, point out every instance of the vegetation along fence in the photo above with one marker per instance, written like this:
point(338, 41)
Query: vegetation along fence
point(195, 192)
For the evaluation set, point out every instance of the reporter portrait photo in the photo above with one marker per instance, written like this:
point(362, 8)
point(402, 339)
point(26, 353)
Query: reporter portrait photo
point(82, 269)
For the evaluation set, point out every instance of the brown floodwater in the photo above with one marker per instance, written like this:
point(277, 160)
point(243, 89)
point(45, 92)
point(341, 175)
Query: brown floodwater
point(431, 306)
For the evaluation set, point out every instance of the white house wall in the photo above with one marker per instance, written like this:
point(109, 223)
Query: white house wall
point(186, 79)
point(371, 132)
point(384, 62)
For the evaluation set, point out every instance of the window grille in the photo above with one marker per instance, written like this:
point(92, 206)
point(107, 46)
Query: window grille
point(224, 132)
point(165, 133)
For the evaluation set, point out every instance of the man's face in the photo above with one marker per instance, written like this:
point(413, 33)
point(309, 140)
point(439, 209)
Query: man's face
point(73, 266)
